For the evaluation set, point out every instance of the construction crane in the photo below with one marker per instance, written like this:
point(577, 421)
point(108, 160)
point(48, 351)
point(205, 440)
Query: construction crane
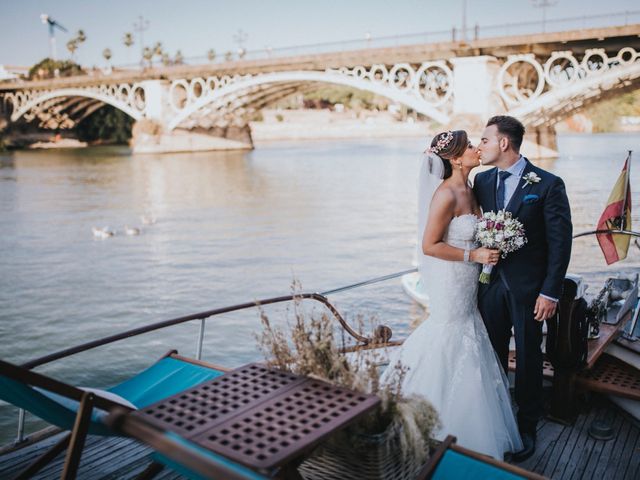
point(46, 19)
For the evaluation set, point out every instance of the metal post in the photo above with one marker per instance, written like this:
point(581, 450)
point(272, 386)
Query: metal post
point(623, 216)
point(464, 20)
point(453, 34)
point(634, 321)
point(20, 436)
point(200, 340)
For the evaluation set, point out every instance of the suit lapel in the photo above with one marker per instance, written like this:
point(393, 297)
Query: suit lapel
point(521, 190)
point(491, 190)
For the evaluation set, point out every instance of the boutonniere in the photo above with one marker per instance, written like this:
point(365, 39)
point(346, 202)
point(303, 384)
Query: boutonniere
point(530, 178)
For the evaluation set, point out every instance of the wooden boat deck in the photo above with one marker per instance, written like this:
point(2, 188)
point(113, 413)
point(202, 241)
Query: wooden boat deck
point(564, 452)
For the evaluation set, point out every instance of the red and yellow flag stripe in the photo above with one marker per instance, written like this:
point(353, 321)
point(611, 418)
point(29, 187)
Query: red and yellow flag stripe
point(615, 247)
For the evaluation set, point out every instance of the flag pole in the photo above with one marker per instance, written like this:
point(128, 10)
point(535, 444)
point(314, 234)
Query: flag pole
point(623, 217)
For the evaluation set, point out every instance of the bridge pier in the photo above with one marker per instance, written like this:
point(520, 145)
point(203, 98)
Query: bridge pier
point(474, 92)
point(151, 135)
point(152, 139)
point(541, 142)
point(545, 136)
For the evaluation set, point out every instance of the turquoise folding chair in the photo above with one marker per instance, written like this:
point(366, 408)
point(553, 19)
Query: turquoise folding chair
point(83, 410)
point(453, 462)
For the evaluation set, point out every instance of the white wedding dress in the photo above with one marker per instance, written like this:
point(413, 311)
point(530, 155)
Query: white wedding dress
point(450, 358)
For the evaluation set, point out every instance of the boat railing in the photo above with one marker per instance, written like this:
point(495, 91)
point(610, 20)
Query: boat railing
point(379, 337)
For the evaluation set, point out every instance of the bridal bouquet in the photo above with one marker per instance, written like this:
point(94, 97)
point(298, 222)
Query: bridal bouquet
point(501, 231)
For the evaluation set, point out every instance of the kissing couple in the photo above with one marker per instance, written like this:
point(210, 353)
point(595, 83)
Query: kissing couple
point(458, 357)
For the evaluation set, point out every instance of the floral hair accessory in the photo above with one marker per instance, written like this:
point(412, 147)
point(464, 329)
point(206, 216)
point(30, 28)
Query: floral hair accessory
point(443, 141)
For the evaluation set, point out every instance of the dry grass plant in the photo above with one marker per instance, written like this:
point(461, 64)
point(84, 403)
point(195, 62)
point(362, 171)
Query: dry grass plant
point(311, 348)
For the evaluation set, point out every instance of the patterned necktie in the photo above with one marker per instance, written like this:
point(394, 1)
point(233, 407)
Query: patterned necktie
point(500, 194)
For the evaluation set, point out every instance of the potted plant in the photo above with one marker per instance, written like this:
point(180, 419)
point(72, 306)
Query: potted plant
point(393, 441)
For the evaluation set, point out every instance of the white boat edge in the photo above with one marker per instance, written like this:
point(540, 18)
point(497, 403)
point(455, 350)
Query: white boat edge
point(410, 284)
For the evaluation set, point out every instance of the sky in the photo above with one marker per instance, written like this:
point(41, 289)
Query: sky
point(195, 26)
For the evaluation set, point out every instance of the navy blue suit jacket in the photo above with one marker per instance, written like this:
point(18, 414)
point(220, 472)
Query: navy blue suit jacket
point(543, 208)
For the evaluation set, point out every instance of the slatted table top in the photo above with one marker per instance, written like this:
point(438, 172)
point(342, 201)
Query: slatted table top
point(257, 416)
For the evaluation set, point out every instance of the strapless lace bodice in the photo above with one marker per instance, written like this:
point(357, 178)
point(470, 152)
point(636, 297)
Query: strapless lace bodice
point(461, 231)
point(444, 280)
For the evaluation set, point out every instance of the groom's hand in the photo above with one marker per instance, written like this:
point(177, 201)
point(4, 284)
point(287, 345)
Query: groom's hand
point(544, 308)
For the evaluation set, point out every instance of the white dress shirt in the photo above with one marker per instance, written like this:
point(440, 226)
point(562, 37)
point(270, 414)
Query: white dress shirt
point(512, 181)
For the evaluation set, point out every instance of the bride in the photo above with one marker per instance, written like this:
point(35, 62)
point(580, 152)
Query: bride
point(449, 356)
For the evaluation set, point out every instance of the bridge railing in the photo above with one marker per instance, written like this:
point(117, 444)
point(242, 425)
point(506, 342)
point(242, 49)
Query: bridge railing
point(475, 32)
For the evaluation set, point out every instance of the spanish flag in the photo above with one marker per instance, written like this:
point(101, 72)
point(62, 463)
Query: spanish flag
point(617, 216)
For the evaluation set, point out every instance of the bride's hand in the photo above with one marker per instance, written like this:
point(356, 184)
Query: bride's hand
point(486, 256)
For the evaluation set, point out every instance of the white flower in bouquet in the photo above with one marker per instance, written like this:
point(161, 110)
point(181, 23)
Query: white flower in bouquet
point(499, 230)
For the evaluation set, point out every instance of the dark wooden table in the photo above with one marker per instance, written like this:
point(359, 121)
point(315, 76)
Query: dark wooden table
point(259, 417)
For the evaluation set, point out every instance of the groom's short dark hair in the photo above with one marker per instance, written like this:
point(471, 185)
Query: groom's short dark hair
point(510, 127)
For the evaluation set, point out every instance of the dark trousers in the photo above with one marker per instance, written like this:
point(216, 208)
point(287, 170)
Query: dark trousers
point(501, 311)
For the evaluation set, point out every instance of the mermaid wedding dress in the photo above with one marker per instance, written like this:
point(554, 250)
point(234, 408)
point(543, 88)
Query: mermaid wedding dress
point(450, 358)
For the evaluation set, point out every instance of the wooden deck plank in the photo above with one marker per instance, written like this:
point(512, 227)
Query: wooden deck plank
point(130, 470)
point(564, 445)
point(608, 463)
point(580, 464)
point(99, 461)
point(30, 452)
point(17, 467)
point(608, 449)
point(601, 452)
point(95, 448)
point(126, 453)
point(627, 455)
point(576, 463)
point(618, 448)
point(547, 435)
point(633, 469)
point(573, 447)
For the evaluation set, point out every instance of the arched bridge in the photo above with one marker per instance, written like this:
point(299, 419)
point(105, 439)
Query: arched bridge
point(540, 79)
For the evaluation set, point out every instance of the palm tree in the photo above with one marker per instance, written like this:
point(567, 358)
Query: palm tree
point(178, 59)
point(211, 54)
point(128, 42)
point(228, 56)
point(166, 59)
point(72, 46)
point(157, 49)
point(128, 39)
point(106, 53)
point(74, 43)
point(147, 54)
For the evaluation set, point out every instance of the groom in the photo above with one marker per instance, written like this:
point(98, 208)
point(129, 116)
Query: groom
point(525, 287)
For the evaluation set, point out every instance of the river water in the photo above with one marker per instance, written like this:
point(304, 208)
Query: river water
point(229, 228)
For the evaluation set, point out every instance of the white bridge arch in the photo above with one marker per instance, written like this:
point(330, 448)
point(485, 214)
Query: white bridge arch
point(564, 84)
point(406, 91)
point(128, 98)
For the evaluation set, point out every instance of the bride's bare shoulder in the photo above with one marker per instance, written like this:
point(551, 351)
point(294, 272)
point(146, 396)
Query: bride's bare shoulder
point(444, 199)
